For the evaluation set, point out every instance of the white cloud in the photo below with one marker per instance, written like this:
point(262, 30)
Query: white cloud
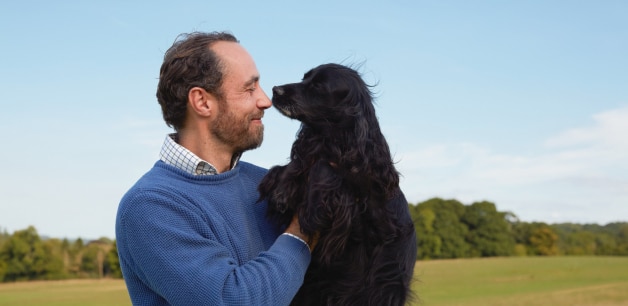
point(584, 168)
point(610, 131)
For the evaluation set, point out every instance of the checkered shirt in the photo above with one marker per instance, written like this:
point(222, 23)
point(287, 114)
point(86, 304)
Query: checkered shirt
point(176, 155)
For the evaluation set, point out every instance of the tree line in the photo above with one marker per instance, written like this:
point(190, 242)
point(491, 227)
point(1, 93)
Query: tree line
point(449, 229)
point(24, 255)
point(445, 229)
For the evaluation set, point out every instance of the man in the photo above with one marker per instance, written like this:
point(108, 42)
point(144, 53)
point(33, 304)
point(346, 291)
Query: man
point(190, 231)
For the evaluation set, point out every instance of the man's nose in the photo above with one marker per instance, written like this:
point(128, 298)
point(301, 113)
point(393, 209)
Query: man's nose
point(264, 102)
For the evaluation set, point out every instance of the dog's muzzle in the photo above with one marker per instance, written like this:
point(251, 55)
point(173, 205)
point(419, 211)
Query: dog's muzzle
point(278, 90)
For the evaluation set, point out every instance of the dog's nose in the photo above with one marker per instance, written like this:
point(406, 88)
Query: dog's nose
point(278, 90)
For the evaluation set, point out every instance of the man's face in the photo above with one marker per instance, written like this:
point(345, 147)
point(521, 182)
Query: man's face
point(238, 123)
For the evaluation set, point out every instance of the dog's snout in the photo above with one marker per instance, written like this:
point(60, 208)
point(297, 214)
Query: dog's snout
point(278, 90)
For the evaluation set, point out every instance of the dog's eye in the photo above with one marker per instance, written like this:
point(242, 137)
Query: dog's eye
point(318, 87)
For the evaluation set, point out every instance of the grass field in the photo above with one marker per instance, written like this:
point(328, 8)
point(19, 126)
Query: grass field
point(556, 281)
point(516, 281)
point(65, 293)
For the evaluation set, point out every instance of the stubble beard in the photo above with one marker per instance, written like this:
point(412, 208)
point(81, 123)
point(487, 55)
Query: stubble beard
point(236, 132)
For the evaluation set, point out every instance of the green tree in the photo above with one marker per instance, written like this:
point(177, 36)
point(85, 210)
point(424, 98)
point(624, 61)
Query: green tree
point(4, 236)
point(94, 257)
point(543, 241)
point(55, 267)
point(428, 241)
point(74, 255)
point(622, 240)
point(3, 269)
point(580, 243)
point(589, 239)
point(489, 231)
point(112, 262)
point(25, 256)
point(606, 244)
point(448, 237)
point(89, 261)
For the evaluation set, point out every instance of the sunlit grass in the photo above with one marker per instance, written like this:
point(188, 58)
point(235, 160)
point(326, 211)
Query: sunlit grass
point(65, 293)
point(523, 281)
point(516, 281)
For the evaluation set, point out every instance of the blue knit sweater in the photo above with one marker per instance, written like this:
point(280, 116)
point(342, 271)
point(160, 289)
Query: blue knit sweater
point(204, 240)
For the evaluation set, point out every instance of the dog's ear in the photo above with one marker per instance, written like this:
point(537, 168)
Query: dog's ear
point(330, 210)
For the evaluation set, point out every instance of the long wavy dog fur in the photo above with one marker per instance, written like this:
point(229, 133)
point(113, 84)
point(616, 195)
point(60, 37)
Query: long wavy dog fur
point(342, 184)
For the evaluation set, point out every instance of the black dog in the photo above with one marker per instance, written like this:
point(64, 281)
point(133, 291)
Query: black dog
point(342, 184)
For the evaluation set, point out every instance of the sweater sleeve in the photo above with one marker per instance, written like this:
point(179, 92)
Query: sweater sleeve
point(173, 251)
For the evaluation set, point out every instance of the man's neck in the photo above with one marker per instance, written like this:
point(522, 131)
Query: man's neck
point(207, 149)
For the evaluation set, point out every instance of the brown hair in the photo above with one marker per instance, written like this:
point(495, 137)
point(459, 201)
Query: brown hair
point(188, 63)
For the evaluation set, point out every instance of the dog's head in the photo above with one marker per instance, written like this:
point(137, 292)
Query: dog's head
point(339, 125)
point(330, 96)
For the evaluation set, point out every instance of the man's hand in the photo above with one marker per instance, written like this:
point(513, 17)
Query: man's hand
point(295, 229)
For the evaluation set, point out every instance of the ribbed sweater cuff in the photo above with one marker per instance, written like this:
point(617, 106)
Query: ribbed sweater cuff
point(297, 250)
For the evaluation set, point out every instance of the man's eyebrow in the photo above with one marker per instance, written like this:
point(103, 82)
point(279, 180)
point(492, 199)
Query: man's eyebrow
point(251, 81)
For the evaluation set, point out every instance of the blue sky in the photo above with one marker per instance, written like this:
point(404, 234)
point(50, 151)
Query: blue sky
point(522, 103)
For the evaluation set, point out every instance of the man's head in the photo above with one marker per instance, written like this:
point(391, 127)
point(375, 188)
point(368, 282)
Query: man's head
point(210, 78)
point(237, 117)
point(188, 63)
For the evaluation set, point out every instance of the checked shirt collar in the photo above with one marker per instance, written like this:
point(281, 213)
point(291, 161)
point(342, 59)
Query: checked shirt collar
point(176, 155)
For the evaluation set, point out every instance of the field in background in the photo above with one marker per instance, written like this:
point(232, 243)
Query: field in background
point(513, 281)
point(516, 281)
point(105, 292)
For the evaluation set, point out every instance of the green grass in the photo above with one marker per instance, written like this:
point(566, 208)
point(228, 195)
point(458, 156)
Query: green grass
point(65, 293)
point(514, 281)
point(523, 281)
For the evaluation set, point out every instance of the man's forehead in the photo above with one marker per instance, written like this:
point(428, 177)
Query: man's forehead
point(231, 52)
point(237, 62)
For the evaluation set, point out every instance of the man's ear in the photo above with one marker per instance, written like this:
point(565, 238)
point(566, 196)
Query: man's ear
point(200, 101)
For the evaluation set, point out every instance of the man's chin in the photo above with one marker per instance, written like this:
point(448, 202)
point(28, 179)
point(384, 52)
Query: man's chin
point(254, 142)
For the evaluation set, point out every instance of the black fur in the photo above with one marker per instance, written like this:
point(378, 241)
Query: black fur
point(342, 184)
